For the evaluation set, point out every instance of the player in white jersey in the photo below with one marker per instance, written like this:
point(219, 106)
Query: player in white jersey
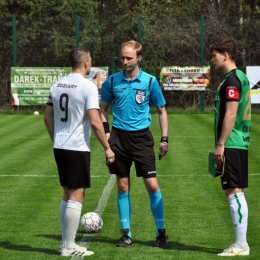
point(72, 110)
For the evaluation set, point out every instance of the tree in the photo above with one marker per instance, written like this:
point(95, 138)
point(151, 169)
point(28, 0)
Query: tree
point(42, 8)
point(170, 32)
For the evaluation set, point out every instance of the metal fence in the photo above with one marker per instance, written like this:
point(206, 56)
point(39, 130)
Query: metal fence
point(167, 41)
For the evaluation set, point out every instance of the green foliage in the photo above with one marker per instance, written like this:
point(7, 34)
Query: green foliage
point(41, 40)
point(170, 32)
point(179, 8)
point(42, 8)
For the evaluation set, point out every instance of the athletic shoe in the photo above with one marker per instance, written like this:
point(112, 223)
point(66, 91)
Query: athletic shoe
point(76, 251)
point(125, 240)
point(235, 251)
point(162, 239)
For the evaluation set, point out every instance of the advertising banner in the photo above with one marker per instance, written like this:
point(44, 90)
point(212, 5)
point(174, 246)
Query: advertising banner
point(185, 78)
point(30, 85)
point(253, 74)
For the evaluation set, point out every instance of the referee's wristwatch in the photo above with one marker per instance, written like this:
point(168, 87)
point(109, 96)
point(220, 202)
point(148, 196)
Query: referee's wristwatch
point(164, 139)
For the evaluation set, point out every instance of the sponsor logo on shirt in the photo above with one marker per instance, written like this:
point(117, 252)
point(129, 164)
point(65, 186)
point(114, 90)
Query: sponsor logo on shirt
point(246, 129)
point(246, 139)
point(66, 86)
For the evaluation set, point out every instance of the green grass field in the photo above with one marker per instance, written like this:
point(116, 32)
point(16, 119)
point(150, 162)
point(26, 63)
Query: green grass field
point(197, 217)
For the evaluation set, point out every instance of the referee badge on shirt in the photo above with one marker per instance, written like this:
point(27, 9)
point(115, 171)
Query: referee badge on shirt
point(140, 96)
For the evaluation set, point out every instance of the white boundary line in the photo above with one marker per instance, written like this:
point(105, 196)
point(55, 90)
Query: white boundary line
point(40, 175)
point(102, 176)
point(31, 137)
point(192, 175)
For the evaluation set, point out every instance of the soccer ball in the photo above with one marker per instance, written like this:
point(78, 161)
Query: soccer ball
point(36, 113)
point(91, 222)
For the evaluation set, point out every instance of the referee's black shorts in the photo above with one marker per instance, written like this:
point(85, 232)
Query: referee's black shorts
point(134, 146)
point(73, 168)
point(236, 169)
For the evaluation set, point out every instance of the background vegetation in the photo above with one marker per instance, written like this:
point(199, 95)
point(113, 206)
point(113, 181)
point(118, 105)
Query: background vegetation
point(170, 35)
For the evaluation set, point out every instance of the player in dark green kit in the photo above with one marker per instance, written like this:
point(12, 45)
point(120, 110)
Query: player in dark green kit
point(232, 138)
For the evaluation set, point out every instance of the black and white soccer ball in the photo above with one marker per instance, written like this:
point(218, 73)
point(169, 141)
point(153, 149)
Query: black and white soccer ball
point(91, 222)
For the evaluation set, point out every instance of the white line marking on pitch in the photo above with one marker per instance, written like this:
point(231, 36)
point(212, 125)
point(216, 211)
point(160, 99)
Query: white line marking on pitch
point(101, 176)
point(41, 175)
point(87, 238)
point(31, 137)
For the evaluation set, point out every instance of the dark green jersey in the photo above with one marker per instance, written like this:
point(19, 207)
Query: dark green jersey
point(234, 88)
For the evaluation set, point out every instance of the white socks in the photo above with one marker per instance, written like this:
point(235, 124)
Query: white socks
point(71, 220)
point(239, 214)
point(63, 207)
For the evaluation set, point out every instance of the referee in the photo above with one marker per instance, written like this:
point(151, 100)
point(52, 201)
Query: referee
point(130, 93)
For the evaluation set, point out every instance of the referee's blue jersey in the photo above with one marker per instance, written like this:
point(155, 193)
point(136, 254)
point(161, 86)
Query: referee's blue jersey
point(131, 99)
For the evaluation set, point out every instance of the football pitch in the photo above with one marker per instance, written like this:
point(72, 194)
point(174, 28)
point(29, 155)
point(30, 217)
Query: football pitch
point(197, 218)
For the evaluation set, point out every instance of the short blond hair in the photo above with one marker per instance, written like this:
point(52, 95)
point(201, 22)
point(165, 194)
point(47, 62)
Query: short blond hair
point(135, 45)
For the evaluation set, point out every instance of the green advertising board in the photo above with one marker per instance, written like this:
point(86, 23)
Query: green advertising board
point(30, 85)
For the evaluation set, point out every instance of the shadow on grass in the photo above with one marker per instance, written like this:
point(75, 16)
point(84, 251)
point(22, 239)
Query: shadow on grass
point(176, 246)
point(88, 238)
point(54, 237)
point(26, 248)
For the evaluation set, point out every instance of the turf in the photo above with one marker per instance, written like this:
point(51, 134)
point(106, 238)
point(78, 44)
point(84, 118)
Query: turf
point(197, 217)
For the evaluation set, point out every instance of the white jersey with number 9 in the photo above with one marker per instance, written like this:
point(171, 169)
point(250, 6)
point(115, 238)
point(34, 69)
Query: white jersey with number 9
point(71, 97)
